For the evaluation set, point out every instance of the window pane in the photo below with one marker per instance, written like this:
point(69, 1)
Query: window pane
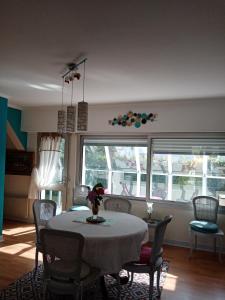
point(187, 164)
point(143, 158)
point(143, 185)
point(123, 158)
point(216, 165)
point(159, 187)
point(124, 184)
point(120, 168)
point(215, 187)
point(160, 163)
point(185, 168)
point(92, 177)
point(185, 188)
point(55, 196)
point(95, 157)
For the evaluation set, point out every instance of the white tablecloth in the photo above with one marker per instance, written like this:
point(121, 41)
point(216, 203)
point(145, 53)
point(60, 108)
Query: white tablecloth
point(107, 245)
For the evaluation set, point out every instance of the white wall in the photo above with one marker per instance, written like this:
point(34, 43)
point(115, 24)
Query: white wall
point(201, 115)
point(173, 116)
point(39, 119)
point(196, 115)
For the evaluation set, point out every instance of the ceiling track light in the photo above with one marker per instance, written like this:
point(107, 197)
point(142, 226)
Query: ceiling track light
point(66, 119)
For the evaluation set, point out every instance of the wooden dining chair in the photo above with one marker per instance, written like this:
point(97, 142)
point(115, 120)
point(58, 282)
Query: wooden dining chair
point(117, 204)
point(43, 210)
point(151, 259)
point(65, 273)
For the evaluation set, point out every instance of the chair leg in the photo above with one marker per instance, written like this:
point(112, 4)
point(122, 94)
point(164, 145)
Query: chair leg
point(36, 262)
point(191, 243)
point(79, 293)
point(214, 244)
point(103, 287)
point(158, 282)
point(118, 285)
point(151, 285)
point(44, 291)
point(128, 275)
point(220, 249)
point(196, 242)
point(131, 278)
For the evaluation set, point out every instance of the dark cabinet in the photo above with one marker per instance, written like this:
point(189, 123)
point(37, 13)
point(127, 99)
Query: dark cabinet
point(19, 162)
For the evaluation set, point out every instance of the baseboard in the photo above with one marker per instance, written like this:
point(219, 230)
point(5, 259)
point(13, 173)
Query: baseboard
point(185, 244)
point(22, 220)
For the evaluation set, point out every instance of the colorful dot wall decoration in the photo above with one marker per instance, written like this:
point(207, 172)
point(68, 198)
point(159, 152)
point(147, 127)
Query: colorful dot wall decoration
point(133, 119)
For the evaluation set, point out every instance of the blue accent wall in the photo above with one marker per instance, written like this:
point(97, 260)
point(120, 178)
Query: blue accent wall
point(3, 123)
point(14, 118)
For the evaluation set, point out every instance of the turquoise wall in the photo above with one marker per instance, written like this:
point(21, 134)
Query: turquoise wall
point(14, 118)
point(3, 123)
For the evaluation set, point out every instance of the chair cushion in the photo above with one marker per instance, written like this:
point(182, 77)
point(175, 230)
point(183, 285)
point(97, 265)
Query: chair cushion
point(145, 255)
point(204, 226)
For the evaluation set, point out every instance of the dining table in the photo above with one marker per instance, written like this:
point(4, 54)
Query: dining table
point(110, 244)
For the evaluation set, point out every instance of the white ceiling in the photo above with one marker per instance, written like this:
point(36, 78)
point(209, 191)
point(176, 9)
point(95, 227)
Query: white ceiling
point(137, 50)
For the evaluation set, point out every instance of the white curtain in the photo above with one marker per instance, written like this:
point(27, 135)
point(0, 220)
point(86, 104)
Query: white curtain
point(43, 177)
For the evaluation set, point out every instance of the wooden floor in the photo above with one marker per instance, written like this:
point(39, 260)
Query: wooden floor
point(202, 277)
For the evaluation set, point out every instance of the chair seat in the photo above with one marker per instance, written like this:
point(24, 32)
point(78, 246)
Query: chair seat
point(145, 255)
point(204, 226)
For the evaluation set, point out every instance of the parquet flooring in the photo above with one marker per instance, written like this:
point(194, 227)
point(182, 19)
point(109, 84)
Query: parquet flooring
point(201, 277)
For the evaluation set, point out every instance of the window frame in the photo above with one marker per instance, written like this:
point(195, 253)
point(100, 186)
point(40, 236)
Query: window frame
point(149, 137)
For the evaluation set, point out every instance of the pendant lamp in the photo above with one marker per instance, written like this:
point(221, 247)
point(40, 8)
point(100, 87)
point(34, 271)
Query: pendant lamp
point(70, 114)
point(82, 110)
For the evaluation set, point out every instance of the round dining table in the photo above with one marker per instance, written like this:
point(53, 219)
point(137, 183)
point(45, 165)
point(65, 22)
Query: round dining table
point(107, 245)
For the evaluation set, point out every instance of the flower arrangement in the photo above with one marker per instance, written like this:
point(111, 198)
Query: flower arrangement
point(95, 196)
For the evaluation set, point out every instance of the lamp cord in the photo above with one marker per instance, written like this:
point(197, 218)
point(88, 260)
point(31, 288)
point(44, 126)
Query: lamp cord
point(62, 92)
point(72, 92)
point(84, 80)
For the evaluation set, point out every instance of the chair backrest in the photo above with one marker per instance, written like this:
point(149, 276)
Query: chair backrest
point(206, 208)
point(43, 210)
point(117, 204)
point(62, 254)
point(80, 195)
point(158, 238)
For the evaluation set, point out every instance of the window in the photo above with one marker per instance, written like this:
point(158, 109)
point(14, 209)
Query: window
point(51, 168)
point(180, 168)
point(120, 165)
point(185, 168)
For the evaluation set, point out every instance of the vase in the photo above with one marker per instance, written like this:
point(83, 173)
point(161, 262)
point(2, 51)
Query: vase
point(95, 211)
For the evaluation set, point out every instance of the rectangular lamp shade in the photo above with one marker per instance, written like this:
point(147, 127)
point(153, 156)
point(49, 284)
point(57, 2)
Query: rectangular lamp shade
point(61, 125)
point(82, 116)
point(70, 119)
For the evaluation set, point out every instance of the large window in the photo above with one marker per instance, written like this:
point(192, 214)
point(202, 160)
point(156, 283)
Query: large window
point(120, 165)
point(185, 168)
point(177, 169)
point(51, 168)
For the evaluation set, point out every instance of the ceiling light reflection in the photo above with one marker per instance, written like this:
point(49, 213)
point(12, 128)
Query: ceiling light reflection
point(53, 86)
point(39, 87)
